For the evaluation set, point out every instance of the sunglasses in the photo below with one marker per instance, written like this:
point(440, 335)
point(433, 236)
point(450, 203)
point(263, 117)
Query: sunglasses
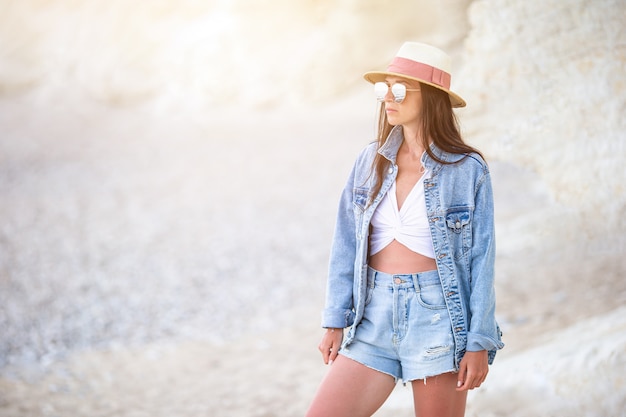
point(397, 90)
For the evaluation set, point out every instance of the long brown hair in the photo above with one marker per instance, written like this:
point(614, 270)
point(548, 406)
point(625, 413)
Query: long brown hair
point(439, 124)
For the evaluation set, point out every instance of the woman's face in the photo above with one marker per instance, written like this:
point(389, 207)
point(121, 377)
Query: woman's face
point(410, 109)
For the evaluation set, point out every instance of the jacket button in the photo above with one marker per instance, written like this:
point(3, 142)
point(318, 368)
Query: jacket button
point(457, 224)
point(390, 170)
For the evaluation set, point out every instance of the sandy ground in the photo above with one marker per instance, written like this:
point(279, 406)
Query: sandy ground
point(224, 224)
point(574, 373)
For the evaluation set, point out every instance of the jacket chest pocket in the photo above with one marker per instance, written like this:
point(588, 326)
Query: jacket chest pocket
point(359, 203)
point(459, 231)
point(359, 197)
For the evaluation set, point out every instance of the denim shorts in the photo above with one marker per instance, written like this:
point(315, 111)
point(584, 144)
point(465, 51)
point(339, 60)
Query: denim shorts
point(406, 331)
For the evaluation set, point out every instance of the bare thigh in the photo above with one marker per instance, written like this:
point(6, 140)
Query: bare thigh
point(351, 389)
point(439, 397)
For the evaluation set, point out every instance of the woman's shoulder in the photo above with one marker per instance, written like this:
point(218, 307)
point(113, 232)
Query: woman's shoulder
point(476, 159)
point(370, 149)
point(367, 153)
point(469, 166)
point(472, 161)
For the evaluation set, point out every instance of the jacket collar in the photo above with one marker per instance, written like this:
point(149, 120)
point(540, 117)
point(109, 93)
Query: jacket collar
point(392, 144)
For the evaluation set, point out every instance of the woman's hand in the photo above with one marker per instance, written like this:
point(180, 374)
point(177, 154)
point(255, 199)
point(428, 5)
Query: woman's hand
point(473, 370)
point(329, 346)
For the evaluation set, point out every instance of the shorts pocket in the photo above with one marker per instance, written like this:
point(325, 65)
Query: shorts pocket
point(431, 296)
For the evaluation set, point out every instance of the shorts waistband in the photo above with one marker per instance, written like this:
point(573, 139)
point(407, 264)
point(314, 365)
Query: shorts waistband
point(378, 278)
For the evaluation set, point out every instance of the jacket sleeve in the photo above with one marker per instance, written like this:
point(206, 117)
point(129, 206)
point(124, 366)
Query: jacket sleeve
point(338, 311)
point(483, 332)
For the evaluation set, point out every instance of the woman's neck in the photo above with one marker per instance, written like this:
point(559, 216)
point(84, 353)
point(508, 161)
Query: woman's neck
point(413, 142)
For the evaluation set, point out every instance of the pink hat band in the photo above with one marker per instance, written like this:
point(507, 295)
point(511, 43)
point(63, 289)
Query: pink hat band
point(421, 71)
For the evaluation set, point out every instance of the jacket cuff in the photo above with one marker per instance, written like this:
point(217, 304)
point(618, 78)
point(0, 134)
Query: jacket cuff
point(337, 318)
point(477, 342)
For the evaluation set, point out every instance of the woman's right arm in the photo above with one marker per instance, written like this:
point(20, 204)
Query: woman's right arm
point(338, 312)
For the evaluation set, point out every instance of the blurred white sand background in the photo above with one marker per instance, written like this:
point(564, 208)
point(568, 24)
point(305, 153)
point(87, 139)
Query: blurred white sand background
point(169, 174)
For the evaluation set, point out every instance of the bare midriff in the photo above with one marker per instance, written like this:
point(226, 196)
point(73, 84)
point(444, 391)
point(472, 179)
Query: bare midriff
point(396, 258)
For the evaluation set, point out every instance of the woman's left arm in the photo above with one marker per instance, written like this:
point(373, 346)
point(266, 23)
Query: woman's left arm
point(473, 370)
point(482, 335)
point(483, 332)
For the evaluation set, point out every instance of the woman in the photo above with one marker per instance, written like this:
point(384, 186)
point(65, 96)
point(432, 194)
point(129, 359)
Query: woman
point(412, 262)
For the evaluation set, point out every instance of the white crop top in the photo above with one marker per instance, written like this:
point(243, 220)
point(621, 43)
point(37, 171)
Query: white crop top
point(409, 225)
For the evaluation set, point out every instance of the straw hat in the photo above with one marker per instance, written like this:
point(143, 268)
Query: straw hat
point(423, 63)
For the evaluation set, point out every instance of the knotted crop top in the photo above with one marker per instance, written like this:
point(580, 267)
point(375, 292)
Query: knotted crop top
point(409, 225)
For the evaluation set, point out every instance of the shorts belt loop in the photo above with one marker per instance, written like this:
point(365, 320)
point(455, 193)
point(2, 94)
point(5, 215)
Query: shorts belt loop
point(416, 284)
point(372, 276)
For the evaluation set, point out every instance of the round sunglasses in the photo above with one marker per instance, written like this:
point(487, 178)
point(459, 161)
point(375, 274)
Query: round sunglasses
point(397, 90)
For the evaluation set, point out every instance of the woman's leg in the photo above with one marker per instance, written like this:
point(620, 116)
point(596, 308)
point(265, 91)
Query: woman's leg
point(439, 397)
point(351, 389)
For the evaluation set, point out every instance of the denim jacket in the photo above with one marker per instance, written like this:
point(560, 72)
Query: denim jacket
point(459, 206)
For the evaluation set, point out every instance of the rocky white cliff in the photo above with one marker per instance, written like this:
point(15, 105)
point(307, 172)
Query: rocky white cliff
point(547, 90)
